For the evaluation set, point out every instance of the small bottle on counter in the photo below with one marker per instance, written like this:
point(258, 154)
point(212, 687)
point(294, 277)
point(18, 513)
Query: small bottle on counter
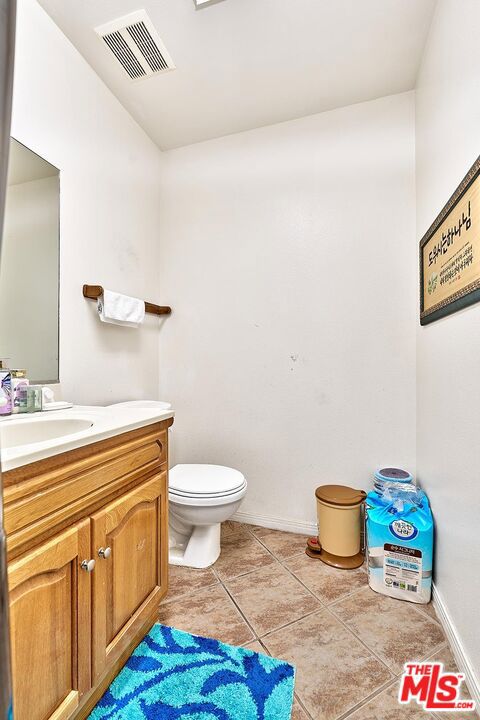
point(19, 396)
point(22, 398)
point(34, 398)
point(5, 392)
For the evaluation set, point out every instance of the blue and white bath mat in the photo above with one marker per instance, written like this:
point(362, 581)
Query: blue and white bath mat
point(173, 675)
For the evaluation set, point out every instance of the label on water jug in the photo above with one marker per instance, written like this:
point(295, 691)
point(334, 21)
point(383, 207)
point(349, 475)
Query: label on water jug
point(402, 567)
point(403, 530)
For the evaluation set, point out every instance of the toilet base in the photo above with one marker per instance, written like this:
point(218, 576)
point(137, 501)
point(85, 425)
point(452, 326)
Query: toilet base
point(199, 550)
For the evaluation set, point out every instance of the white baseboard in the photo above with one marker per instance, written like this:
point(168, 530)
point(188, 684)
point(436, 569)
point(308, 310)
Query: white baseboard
point(296, 526)
point(464, 665)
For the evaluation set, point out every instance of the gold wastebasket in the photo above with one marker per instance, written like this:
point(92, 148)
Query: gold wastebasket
point(339, 510)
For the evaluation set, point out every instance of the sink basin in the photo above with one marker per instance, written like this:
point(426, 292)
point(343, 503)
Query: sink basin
point(27, 432)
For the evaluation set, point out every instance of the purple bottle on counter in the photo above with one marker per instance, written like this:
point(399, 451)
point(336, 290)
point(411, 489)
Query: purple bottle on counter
point(5, 392)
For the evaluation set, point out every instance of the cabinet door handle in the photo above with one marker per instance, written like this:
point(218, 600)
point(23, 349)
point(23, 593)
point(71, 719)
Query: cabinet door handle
point(105, 552)
point(88, 565)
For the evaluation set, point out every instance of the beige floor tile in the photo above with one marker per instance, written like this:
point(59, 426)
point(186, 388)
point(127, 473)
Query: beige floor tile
point(327, 583)
point(334, 671)
point(445, 656)
point(241, 554)
point(428, 610)
point(210, 613)
point(281, 544)
point(393, 629)
point(385, 706)
point(298, 713)
point(270, 598)
point(183, 580)
point(231, 526)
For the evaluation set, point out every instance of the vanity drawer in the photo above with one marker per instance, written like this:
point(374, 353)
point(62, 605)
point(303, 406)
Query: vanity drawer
point(53, 497)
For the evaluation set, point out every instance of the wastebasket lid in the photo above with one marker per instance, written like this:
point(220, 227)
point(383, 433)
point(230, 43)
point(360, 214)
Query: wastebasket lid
point(340, 495)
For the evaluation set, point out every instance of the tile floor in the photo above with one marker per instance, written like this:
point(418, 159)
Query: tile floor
point(347, 643)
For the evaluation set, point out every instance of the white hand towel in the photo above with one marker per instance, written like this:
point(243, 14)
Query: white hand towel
point(120, 309)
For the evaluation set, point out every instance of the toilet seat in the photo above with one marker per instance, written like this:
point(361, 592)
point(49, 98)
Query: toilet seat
point(207, 500)
point(205, 481)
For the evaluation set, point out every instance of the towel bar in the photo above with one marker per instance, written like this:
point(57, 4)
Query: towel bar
point(95, 291)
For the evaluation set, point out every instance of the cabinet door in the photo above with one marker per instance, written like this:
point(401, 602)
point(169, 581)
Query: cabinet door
point(50, 626)
point(130, 544)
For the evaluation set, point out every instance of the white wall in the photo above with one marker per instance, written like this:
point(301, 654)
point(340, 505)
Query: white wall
point(448, 398)
point(288, 255)
point(109, 186)
point(29, 279)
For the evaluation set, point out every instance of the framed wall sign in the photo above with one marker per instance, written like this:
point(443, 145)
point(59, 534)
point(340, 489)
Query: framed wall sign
point(450, 253)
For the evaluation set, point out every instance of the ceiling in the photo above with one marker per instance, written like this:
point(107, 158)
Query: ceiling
point(25, 165)
point(242, 64)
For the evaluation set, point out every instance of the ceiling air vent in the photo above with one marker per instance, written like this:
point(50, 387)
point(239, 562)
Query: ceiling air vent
point(136, 45)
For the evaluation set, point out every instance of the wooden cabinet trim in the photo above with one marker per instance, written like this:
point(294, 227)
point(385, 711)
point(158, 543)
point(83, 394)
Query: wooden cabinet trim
point(51, 570)
point(111, 672)
point(84, 613)
point(119, 509)
point(105, 525)
point(115, 648)
point(40, 476)
point(84, 507)
point(85, 456)
point(32, 508)
point(51, 556)
point(68, 706)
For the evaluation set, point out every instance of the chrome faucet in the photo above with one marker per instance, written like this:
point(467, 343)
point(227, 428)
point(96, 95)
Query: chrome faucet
point(7, 46)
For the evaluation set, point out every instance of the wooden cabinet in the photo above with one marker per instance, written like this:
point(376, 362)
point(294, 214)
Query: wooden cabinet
point(74, 622)
point(131, 574)
point(50, 626)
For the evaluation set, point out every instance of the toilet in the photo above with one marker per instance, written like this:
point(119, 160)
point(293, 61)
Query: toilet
point(201, 497)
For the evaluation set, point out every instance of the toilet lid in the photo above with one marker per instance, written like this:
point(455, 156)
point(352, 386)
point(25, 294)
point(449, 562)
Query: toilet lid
point(201, 480)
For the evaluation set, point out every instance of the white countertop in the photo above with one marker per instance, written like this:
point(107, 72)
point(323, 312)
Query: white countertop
point(106, 422)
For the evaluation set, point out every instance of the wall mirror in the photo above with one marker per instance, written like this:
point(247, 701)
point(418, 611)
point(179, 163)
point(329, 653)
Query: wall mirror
point(29, 266)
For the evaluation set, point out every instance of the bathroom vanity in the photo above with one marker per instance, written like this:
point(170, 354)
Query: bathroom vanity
point(86, 520)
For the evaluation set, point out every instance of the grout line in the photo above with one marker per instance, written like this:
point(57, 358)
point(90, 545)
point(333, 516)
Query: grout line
point(368, 699)
point(283, 562)
point(243, 574)
point(255, 636)
point(346, 597)
point(310, 592)
point(212, 568)
point(428, 654)
point(188, 594)
point(267, 651)
point(443, 646)
point(325, 604)
point(273, 630)
point(352, 632)
point(266, 635)
point(419, 607)
point(339, 600)
point(300, 702)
